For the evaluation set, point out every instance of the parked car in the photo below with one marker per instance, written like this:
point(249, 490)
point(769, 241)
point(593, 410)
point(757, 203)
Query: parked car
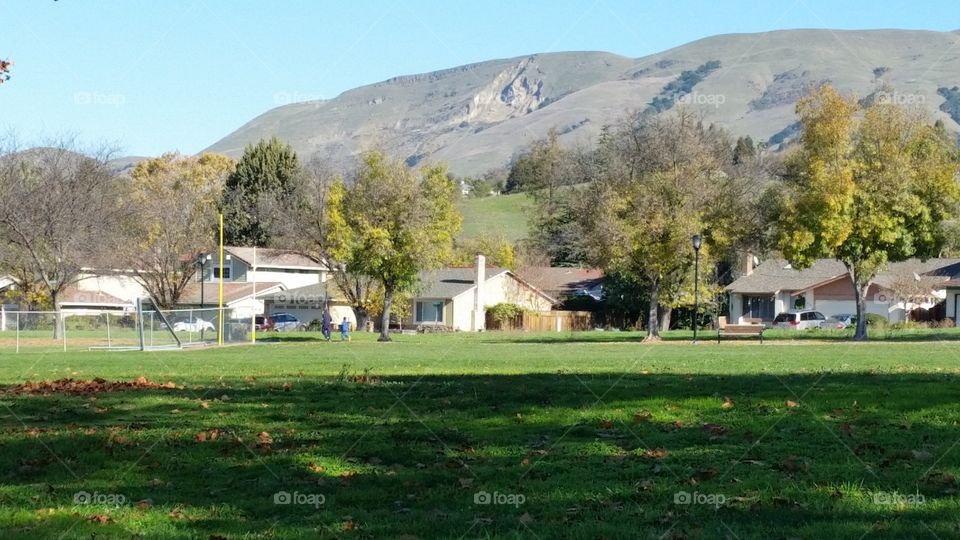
point(839, 322)
point(283, 322)
point(799, 320)
point(197, 325)
point(263, 323)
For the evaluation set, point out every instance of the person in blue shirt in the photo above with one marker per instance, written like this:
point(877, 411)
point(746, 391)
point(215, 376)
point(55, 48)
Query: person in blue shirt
point(345, 330)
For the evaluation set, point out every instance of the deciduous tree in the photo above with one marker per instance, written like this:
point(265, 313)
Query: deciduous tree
point(866, 191)
point(391, 222)
point(659, 177)
point(175, 200)
point(59, 214)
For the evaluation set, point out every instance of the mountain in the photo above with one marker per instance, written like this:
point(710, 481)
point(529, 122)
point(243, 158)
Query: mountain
point(477, 117)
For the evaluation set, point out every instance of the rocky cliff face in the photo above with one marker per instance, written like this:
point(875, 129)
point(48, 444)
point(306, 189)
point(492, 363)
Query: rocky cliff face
point(478, 116)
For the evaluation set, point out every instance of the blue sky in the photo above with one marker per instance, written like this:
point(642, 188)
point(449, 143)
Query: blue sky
point(153, 76)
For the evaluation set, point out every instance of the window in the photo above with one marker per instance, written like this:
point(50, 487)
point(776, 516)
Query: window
point(226, 272)
point(429, 311)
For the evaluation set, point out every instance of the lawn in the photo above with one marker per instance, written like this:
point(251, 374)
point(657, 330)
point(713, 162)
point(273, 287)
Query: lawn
point(591, 435)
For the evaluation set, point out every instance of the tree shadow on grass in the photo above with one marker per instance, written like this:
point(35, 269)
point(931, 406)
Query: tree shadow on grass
point(592, 456)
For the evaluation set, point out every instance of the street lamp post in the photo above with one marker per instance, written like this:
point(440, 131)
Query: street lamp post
point(697, 242)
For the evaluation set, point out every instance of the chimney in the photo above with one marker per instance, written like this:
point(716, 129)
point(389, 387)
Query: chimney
point(748, 261)
point(479, 313)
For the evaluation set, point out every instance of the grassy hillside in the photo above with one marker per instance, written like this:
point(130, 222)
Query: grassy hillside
point(504, 215)
point(476, 117)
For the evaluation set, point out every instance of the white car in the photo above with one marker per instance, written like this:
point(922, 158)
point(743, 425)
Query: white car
point(839, 322)
point(198, 325)
point(799, 320)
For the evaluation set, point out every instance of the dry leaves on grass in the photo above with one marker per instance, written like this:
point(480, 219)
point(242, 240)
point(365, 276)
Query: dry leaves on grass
point(93, 386)
point(727, 404)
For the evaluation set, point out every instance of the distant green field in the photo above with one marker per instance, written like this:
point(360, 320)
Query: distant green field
point(494, 435)
point(504, 215)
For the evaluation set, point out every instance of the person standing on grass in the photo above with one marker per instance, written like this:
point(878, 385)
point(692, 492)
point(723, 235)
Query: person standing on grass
point(327, 323)
point(345, 330)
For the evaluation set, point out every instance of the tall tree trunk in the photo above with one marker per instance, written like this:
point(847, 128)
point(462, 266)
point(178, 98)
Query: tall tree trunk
point(385, 317)
point(665, 315)
point(860, 291)
point(653, 322)
point(362, 318)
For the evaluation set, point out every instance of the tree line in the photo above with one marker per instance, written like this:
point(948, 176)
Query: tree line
point(66, 213)
point(866, 184)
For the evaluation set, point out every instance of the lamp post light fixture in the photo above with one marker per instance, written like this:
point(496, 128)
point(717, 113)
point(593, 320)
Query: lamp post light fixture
point(697, 242)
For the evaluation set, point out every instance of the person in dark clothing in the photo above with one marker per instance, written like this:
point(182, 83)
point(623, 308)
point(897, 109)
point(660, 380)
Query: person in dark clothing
point(327, 322)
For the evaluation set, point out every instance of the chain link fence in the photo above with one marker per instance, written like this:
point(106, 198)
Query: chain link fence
point(50, 331)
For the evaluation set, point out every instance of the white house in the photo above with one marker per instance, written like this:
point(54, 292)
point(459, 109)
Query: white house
point(250, 275)
point(249, 265)
point(458, 297)
point(775, 286)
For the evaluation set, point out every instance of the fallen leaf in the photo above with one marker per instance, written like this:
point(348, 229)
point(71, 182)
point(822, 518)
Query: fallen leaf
point(264, 437)
point(792, 404)
point(727, 404)
point(100, 518)
point(606, 424)
point(201, 437)
point(286, 387)
point(656, 453)
point(144, 504)
point(641, 417)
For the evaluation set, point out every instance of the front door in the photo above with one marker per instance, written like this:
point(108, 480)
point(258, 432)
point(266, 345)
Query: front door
point(758, 307)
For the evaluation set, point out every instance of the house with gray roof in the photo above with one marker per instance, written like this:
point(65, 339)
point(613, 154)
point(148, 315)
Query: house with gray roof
point(775, 286)
point(457, 298)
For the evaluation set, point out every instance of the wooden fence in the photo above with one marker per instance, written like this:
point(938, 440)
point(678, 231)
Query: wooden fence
point(545, 321)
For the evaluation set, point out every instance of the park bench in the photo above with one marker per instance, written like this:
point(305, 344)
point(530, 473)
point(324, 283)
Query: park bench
point(752, 327)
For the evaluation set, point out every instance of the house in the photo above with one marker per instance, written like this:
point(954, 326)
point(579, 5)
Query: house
point(565, 283)
point(249, 275)
point(457, 297)
point(307, 303)
point(775, 286)
point(248, 264)
point(242, 300)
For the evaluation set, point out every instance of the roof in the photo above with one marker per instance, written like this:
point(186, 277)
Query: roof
point(232, 292)
point(450, 282)
point(315, 293)
point(562, 282)
point(271, 257)
point(939, 270)
point(74, 296)
point(778, 275)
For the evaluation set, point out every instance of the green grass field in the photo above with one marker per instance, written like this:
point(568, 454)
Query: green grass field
point(504, 215)
point(591, 435)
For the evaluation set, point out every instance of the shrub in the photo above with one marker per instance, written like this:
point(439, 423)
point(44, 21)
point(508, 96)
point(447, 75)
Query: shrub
point(877, 321)
point(504, 314)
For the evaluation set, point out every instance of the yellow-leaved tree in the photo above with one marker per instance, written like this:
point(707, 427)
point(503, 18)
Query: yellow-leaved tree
point(392, 222)
point(176, 199)
point(866, 187)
